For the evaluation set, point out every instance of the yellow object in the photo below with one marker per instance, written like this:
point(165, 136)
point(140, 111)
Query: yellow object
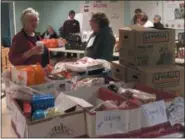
point(5, 63)
point(51, 112)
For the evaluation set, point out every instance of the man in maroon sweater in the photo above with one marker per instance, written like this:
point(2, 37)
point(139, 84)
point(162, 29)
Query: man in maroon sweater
point(71, 25)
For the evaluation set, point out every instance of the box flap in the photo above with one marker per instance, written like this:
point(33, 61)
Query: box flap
point(137, 28)
point(81, 102)
point(141, 28)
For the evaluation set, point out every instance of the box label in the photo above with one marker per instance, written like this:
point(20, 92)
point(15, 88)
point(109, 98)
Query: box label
point(142, 60)
point(154, 113)
point(111, 122)
point(166, 77)
point(144, 48)
point(155, 37)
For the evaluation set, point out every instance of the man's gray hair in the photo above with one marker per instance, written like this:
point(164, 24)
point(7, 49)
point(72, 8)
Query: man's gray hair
point(158, 16)
point(29, 11)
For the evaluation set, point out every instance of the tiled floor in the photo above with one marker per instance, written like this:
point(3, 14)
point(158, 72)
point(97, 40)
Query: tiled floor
point(6, 128)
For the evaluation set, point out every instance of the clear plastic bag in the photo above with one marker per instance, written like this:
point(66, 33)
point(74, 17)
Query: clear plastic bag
point(16, 91)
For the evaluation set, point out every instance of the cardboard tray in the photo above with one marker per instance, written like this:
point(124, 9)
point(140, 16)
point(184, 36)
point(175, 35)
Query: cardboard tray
point(58, 126)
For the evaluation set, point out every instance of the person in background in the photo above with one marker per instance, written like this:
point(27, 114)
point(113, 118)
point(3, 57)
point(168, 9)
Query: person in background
point(143, 21)
point(136, 16)
point(70, 26)
point(49, 33)
point(157, 22)
point(24, 50)
point(101, 43)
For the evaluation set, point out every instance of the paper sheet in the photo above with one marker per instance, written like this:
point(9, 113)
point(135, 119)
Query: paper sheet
point(111, 122)
point(154, 113)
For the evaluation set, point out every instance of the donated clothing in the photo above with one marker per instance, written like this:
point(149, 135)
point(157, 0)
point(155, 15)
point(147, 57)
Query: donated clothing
point(148, 24)
point(70, 26)
point(101, 45)
point(158, 25)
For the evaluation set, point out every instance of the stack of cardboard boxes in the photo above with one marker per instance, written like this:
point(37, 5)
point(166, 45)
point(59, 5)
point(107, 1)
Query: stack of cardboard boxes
point(4, 59)
point(147, 56)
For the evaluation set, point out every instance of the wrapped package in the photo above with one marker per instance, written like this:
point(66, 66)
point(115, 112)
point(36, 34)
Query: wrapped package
point(51, 112)
point(142, 96)
point(106, 105)
point(130, 103)
point(28, 75)
point(88, 82)
point(38, 115)
point(59, 67)
point(60, 75)
point(84, 65)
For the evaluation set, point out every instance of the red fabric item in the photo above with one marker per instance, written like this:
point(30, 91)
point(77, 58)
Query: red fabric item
point(20, 44)
point(27, 109)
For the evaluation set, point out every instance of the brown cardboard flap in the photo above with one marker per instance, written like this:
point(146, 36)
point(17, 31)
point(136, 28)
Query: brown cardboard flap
point(29, 122)
point(51, 118)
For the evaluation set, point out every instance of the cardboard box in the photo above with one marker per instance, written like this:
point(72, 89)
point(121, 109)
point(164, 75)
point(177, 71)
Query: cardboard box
point(58, 126)
point(68, 120)
point(147, 46)
point(132, 119)
point(118, 71)
point(167, 78)
point(154, 56)
point(135, 37)
point(94, 98)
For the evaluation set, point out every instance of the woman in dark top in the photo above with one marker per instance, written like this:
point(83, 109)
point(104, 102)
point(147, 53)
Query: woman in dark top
point(136, 16)
point(157, 22)
point(49, 33)
point(24, 50)
point(102, 41)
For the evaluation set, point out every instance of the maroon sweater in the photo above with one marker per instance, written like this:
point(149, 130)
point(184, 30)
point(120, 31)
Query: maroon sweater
point(21, 44)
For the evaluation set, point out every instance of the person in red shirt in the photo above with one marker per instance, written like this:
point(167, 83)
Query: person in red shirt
point(24, 50)
point(70, 26)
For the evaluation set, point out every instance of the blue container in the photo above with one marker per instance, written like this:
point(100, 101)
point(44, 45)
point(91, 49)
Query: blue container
point(42, 102)
point(38, 115)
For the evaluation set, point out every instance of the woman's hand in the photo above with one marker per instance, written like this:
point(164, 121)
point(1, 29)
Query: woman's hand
point(34, 51)
point(37, 50)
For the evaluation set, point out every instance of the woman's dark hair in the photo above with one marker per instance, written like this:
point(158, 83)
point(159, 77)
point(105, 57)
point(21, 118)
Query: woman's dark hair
point(138, 10)
point(101, 19)
point(71, 12)
point(137, 13)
